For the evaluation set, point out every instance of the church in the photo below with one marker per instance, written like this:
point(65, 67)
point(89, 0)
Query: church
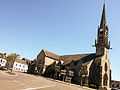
point(91, 69)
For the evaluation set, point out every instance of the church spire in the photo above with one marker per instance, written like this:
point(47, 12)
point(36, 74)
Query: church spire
point(103, 18)
point(102, 37)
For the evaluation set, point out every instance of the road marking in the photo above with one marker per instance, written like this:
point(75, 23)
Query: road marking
point(39, 87)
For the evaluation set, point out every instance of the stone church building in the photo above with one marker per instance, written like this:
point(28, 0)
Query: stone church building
point(91, 69)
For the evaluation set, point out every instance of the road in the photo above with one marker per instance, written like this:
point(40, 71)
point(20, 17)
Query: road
point(22, 81)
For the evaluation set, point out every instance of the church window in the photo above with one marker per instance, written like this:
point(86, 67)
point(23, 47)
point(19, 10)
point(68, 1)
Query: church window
point(105, 88)
point(110, 78)
point(105, 67)
point(105, 79)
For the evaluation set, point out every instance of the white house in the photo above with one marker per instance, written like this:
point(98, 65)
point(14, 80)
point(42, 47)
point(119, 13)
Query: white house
point(20, 65)
point(2, 62)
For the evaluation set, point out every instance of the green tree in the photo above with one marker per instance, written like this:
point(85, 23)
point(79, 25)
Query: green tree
point(10, 60)
point(3, 55)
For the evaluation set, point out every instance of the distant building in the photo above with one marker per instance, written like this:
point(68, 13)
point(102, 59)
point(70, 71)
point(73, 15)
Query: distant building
point(2, 62)
point(115, 85)
point(20, 65)
point(91, 70)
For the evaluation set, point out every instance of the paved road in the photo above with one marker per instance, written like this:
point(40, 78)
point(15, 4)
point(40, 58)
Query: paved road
point(21, 81)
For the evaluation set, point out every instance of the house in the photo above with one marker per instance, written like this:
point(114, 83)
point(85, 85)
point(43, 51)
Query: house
point(2, 62)
point(115, 85)
point(20, 65)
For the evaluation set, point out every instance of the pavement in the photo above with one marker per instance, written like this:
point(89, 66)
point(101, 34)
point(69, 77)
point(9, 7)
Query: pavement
point(22, 81)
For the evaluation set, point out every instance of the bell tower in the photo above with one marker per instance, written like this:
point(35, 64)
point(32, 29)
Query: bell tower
point(102, 64)
point(102, 43)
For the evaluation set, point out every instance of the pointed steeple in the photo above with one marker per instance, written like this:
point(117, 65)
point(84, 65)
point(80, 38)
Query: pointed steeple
point(102, 37)
point(103, 18)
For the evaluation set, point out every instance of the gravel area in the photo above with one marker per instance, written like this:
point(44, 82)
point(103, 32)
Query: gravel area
point(22, 81)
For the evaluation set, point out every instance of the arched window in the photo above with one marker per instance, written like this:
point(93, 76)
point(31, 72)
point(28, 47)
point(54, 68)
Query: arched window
point(105, 79)
point(106, 67)
point(105, 88)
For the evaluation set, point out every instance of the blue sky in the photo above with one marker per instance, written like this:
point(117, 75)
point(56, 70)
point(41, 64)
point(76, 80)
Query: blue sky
point(61, 26)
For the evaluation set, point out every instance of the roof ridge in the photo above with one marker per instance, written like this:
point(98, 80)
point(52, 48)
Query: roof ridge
point(78, 54)
point(45, 50)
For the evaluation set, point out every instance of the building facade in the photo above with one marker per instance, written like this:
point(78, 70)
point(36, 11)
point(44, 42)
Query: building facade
point(101, 70)
point(44, 59)
point(92, 69)
point(115, 85)
point(2, 62)
point(20, 65)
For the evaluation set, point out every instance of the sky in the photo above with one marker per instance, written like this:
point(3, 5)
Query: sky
point(60, 26)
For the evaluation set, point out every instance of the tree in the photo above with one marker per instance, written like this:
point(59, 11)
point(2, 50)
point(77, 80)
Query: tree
point(10, 60)
point(31, 67)
point(3, 55)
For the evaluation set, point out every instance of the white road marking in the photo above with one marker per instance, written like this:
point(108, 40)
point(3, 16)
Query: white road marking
point(39, 87)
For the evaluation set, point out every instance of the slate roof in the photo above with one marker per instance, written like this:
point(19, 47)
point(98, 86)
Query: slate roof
point(21, 61)
point(69, 58)
point(78, 57)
